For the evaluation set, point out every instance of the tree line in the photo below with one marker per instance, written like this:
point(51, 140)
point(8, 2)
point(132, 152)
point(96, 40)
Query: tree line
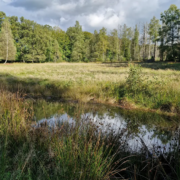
point(24, 40)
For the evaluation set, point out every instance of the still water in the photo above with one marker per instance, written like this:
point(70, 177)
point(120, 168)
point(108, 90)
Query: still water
point(158, 133)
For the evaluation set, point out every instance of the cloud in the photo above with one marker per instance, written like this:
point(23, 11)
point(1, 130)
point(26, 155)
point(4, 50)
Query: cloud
point(31, 4)
point(92, 14)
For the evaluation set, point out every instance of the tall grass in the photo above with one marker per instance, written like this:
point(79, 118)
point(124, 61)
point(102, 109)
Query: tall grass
point(68, 152)
point(71, 151)
point(150, 92)
point(102, 83)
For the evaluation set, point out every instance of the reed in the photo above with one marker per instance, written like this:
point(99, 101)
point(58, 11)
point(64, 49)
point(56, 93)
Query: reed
point(67, 152)
point(78, 150)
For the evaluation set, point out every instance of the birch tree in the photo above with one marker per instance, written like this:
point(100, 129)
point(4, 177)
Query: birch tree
point(7, 47)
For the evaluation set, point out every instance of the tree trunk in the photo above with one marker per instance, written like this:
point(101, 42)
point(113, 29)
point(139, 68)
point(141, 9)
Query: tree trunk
point(49, 56)
point(103, 50)
point(117, 51)
point(33, 59)
point(149, 49)
point(155, 51)
point(162, 56)
point(22, 57)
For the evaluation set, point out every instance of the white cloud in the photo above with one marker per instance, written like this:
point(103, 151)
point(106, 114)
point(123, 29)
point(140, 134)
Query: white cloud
point(92, 14)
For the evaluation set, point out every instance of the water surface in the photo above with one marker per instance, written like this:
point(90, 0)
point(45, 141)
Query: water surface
point(159, 133)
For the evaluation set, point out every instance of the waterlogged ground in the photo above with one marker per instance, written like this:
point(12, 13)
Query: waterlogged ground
point(139, 131)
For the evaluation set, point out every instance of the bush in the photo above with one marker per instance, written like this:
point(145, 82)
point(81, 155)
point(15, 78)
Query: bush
point(134, 82)
point(138, 83)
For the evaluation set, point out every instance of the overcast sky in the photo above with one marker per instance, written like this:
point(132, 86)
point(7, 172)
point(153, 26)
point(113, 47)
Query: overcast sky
point(92, 14)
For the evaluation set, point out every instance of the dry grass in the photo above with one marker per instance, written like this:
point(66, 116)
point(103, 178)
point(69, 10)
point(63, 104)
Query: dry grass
point(77, 72)
point(86, 82)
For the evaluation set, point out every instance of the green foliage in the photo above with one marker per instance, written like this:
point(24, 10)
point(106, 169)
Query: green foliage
point(126, 38)
point(76, 37)
point(99, 45)
point(87, 35)
point(2, 17)
point(113, 45)
point(37, 43)
point(64, 42)
point(80, 150)
point(154, 27)
point(149, 91)
point(94, 48)
point(135, 44)
point(135, 79)
point(138, 83)
point(169, 33)
point(72, 152)
point(7, 46)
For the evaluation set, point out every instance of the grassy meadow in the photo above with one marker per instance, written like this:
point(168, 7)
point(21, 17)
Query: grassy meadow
point(156, 87)
point(83, 151)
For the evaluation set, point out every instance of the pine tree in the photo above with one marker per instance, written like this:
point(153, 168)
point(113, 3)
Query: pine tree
point(7, 47)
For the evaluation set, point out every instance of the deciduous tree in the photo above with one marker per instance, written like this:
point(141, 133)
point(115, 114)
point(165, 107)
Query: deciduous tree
point(7, 47)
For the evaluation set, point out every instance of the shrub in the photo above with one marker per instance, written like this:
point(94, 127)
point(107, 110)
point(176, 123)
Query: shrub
point(138, 83)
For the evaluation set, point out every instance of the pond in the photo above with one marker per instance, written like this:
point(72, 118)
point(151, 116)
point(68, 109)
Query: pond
point(142, 130)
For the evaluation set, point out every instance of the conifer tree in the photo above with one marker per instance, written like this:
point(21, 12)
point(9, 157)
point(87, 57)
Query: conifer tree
point(7, 47)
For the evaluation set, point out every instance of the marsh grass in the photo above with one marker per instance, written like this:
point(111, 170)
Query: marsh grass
point(150, 91)
point(70, 151)
point(67, 152)
point(102, 83)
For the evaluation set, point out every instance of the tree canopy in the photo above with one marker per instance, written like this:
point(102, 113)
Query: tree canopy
point(43, 43)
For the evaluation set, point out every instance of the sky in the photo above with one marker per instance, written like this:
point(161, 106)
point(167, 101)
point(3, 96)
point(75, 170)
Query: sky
point(92, 14)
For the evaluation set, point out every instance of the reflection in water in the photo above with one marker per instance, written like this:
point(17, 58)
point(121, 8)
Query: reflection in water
point(141, 129)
